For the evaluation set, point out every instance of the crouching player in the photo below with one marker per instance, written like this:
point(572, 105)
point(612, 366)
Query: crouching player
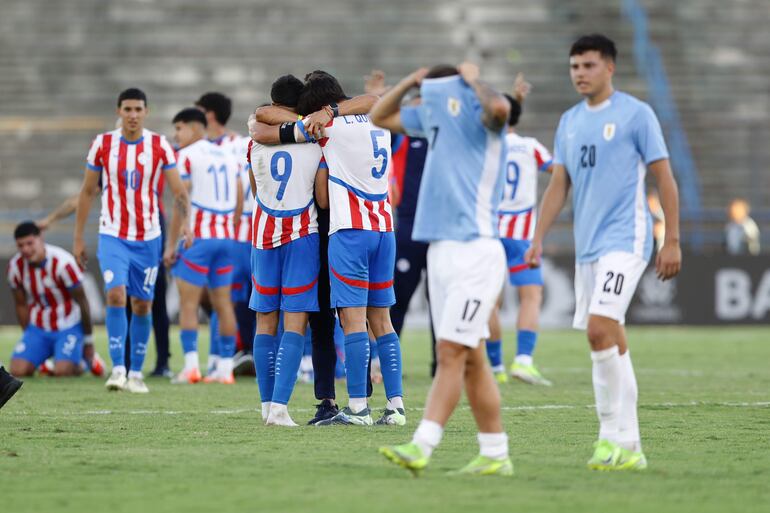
point(217, 199)
point(51, 306)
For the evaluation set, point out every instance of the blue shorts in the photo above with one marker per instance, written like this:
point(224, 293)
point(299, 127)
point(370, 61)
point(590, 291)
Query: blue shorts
point(361, 266)
point(207, 263)
point(130, 263)
point(520, 273)
point(241, 290)
point(37, 345)
point(286, 278)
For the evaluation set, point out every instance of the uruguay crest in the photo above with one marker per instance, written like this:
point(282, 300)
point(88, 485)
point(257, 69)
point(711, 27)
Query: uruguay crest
point(609, 131)
point(453, 105)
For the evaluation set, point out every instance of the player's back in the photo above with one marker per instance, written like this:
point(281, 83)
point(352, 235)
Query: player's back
point(525, 157)
point(238, 146)
point(358, 155)
point(285, 177)
point(214, 177)
point(462, 180)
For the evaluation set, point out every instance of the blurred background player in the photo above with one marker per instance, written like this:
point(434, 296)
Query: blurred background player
point(51, 306)
point(525, 157)
point(216, 195)
point(603, 147)
point(741, 232)
point(218, 108)
point(463, 120)
point(125, 166)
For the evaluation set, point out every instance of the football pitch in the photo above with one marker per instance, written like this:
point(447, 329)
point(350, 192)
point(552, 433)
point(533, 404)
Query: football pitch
point(68, 445)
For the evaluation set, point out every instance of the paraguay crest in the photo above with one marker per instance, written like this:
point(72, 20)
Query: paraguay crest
point(609, 131)
point(453, 105)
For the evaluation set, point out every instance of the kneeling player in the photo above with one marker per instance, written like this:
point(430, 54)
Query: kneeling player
point(217, 198)
point(51, 306)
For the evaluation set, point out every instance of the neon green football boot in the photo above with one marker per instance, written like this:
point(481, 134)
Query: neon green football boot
point(529, 374)
point(408, 456)
point(631, 460)
point(485, 466)
point(501, 377)
point(606, 456)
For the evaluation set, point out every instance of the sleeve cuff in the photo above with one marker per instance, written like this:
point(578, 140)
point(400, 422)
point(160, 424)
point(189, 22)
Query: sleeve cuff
point(94, 168)
point(168, 166)
point(545, 165)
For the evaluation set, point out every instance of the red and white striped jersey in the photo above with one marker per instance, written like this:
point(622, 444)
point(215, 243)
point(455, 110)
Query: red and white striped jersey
point(517, 214)
point(238, 146)
point(47, 287)
point(285, 209)
point(359, 158)
point(214, 177)
point(130, 173)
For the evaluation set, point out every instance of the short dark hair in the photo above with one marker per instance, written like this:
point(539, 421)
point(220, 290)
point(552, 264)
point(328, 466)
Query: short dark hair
point(442, 70)
point(513, 117)
point(321, 88)
point(25, 229)
point(286, 90)
point(595, 42)
point(190, 115)
point(132, 93)
point(219, 104)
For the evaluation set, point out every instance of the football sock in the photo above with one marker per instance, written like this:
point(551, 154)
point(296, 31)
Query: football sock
point(287, 365)
point(395, 402)
point(214, 335)
point(390, 364)
point(493, 445)
point(628, 436)
point(428, 436)
point(189, 348)
point(357, 363)
point(607, 387)
point(374, 351)
point(226, 352)
point(525, 345)
point(495, 353)
point(264, 363)
point(117, 327)
point(140, 327)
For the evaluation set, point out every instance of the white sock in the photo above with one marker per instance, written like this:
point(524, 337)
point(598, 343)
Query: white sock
point(191, 360)
point(135, 375)
point(395, 402)
point(498, 368)
point(607, 388)
point(266, 410)
point(493, 445)
point(306, 364)
point(119, 369)
point(428, 436)
point(277, 408)
point(225, 367)
point(628, 436)
point(357, 404)
point(523, 359)
point(213, 361)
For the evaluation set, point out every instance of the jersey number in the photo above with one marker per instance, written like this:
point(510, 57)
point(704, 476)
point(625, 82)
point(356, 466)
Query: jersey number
point(379, 152)
point(132, 179)
point(216, 171)
point(283, 177)
point(471, 309)
point(588, 156)
point(434, 134)
point(617, 288)
point(512, 177)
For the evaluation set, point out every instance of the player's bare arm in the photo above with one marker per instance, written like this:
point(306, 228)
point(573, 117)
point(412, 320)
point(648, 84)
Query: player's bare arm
point(239, 199)
point(386, 113)
point(262, 132)
point(315, 122)
point(495, 107)
point(322, 188)
point(521, 88)
point(180, 223)
point(88, 191)
point(553, 201)
point(66, 209)
point(79, 295)
point(668, 261)
point(20, 304)
point(253, 182)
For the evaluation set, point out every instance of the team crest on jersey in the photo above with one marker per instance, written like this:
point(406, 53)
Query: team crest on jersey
point(142, 159)
point(609, 131)
point(453, 105)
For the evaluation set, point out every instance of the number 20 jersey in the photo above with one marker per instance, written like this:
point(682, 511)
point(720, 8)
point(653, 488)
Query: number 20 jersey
point(359, 158)
point(285, 209)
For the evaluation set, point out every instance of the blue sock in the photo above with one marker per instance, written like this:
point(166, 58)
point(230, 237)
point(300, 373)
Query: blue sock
point(390, 362)
point(264, 363)
point(140, 327)
point(495, 352)
point(357, 363)
point(189, 340)
point(214, 349)
point(525, 342)
point(117, 327)
point(339, 347)
point(287, 365)
point(226, 346)
point(373, 351)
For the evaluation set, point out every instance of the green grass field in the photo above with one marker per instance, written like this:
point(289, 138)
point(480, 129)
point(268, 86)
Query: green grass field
point(704, 407)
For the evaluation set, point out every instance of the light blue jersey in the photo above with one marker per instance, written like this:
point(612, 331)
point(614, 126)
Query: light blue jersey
point(605, 150)
point(462, 182)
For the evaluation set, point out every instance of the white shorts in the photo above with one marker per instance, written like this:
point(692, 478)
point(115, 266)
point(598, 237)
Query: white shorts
point(464, 281)
point(605, 287)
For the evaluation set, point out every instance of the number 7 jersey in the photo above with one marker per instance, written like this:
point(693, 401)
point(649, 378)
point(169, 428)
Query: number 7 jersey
point(285, 208)
point(359, 157)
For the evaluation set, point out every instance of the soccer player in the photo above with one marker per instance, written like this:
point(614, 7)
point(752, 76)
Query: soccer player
point(51, 306)
point(525, 157)
point(218, 109)
point(128, 163)
point(463, 120)
point(216, 195)
point(603, 147)
point(8, 386)
point(286, 257)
